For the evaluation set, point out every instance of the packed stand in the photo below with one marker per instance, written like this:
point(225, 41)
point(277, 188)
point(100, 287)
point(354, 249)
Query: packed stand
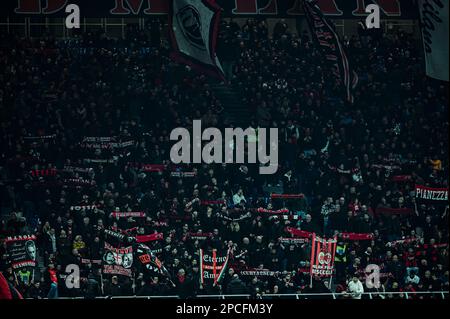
point(345, 159)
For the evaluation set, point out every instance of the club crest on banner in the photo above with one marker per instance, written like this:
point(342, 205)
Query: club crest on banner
point(191, 26)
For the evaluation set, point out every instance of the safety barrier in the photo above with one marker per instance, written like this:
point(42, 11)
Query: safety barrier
point(306, 296)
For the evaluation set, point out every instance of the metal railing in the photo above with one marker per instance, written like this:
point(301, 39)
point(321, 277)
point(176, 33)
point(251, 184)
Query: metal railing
point(306, 296)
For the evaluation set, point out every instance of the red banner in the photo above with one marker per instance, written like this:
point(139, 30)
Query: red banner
point(270, 211)
point(322, 256)
point(299, 233)
point(151, 237)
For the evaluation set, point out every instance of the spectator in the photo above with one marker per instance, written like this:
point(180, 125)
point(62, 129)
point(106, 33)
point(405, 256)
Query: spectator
point(355, 287)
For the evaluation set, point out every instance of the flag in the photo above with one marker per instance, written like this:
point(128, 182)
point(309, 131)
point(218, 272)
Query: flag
point(150, 262)
point(118, 261)
point(21, 251)
point(213, 265)
point(331, 46)
point(193, 28)
point(322, 256)
point(434, 24)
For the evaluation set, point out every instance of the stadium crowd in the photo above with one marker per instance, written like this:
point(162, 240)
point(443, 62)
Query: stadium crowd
point(356, 164)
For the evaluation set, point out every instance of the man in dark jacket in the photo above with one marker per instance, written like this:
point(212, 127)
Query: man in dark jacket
point(236, 286)
point(184, 286)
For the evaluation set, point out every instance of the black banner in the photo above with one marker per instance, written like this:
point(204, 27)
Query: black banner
point(21, 251)
point(397, 9)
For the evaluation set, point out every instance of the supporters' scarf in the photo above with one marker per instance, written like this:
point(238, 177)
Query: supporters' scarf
point(389, 168)
point(290, 241)
point(280, 213)
point(99, 161)
point(402, 241)
point(299, 233)
point(212, 202)
point(83, 208)
point(182, 174)
point(332, 47)
point(356, 236)
point(43, 172)
point(42, 137)
point(198, 236)
point(430, 193)
point(269, 211)
point(74, 169)
point(104, 139)
point(160, 224)
point(79, 182)
point(148, 238)
point(106, 145)
point(85, 261)
point(287, 196)
point(346, 236)
point(117, 235)
point(241, 217)
point(284, 217)
point(252, 272)
point(149, 168)
point(125, 231)
point(127, 214)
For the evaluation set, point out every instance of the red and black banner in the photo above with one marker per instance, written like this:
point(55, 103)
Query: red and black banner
point(127, 214)
point(332, 48)
point(322, 256)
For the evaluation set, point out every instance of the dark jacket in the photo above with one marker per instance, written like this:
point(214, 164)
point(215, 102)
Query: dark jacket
point(236, 287)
